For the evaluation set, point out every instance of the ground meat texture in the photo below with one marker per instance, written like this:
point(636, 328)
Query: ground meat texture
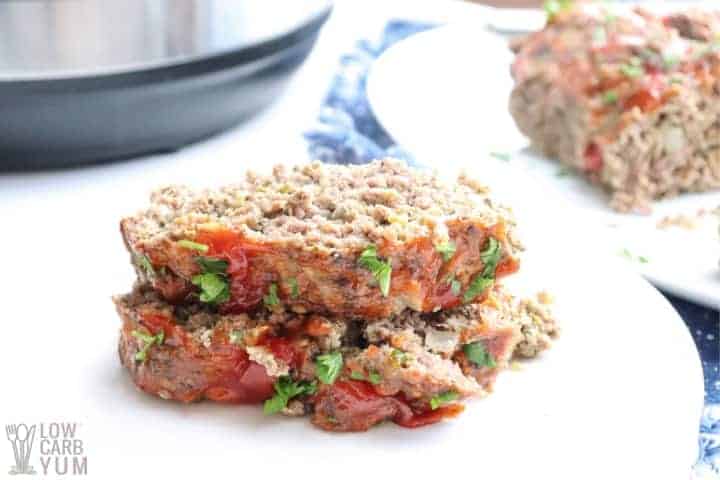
point(225, 358)
point(629, 100)
point(304, 230)
point(390, 370)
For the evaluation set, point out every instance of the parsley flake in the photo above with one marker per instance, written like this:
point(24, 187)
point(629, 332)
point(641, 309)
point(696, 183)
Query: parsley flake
point(193, 245)
point(328, 367)
point(490, 257)
point(447, 250)
point(455, 286)
point(631, 70)
point(294, 289)
point(505, 157)
point(147, 341)
point(286, 389)
point(357, 375)
point(443, 398)
point(553, 7)
point(610, 97)
point(374, 378)
point(236, 337)
point(381, 270)
point(271, 299)
point(478, 354)
point(213, 282)
point(145, 263)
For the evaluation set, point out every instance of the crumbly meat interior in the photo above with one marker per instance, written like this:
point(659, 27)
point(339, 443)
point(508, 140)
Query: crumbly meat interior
point(318, 206)
point(405, 362)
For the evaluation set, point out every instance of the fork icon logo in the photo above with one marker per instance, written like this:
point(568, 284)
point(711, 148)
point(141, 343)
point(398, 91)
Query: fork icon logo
point(21, 437)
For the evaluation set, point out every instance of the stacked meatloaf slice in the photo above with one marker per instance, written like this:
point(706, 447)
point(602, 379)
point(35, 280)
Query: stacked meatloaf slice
point(631, 100)
point(352, 294)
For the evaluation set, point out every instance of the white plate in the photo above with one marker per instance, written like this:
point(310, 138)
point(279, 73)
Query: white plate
point(622, 386)
point(443, 95)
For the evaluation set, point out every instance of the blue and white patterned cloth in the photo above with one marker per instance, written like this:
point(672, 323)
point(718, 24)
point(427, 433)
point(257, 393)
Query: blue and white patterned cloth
point(347, 132)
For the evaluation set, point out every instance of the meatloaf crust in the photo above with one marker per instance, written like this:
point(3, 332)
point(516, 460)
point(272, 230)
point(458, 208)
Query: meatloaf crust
point(631, 100)
point(412, 369)
point(366, 241)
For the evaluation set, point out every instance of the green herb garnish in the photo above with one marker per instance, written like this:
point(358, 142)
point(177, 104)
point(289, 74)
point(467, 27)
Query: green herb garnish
point(627, 254)
point(399, 356)
point(374, 378)
point(213, 282)
point(563, 172)
point(236, 337)
point(610, 97)
point(285, 389)
point(213, 288)
point(505, 157)
point(148, 341)
point(490, 257)
point(193, 245)
point(382, 271)
point(478, 354)
point(294, 289)
point(212, 265)
point(271, 299)
point(357, 375)
point(443, 398)
point(145, 263)
point(447, 250)
point(455, 286)
point(328, 367)
point(553, 7)
point(632, 70)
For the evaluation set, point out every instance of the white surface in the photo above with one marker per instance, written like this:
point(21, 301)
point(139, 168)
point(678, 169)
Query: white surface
point(619, 397)
point(451, 108)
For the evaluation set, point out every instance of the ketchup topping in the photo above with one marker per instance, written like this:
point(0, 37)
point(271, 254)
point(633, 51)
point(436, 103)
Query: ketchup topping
point(351, 405)
point(247, 284)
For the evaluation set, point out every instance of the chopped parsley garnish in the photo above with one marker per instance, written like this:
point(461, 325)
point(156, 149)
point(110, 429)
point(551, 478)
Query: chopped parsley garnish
point(193, 245)
point(271, 299)
point(212, 265)
point(563, 172)
point(294, 289)
point(633, 69)
point(447, 250)
point(478, 354)
point(490, 257)
point(148, 341)
point(357, 375)
point(374, 378)
point(455, 286)
point(328, 367)
point(627, 254)
point(236, 337)
point(505, 157)
point(286, 389)
point(553, 7)
point(381, 270)
point(213, 282)
point(399, 356)
point(610, 97)
point(443, 398)
point(145, 263)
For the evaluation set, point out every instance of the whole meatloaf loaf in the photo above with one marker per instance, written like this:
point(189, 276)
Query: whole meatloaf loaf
point(632, 100)
point(348, 374)
point(365, 241)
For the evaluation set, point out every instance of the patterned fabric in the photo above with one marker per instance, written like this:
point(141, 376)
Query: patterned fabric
point(347, 133)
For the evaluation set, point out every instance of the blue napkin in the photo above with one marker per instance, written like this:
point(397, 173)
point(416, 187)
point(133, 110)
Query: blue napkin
point(347, 132)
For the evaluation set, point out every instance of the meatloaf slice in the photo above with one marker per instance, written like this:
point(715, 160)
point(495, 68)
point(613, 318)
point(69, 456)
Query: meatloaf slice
point(347, 374)
point(625, 99)
point(366, 241)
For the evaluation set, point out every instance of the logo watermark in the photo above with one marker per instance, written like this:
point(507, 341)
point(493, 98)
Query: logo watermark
point(61, 450)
